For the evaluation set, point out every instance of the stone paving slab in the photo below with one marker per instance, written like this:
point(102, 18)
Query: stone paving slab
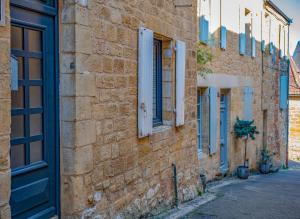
point(273, 196)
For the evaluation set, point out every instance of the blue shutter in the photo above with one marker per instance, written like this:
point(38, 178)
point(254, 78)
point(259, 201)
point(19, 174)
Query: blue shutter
point(248, 99)
point(274, 56)
point(280, 54)
point(263, 46)
point(213, 94)
point(283, 91)
point(203, 28)
point(242, 43)
point(223, 37)
point(271, 48)
point(199, 119)
point(253, 46)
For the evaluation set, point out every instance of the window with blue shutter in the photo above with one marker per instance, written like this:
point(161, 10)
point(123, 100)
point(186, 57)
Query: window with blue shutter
point(242, 43)
point(157, 82)
point(248, 99)
point(263, 46)
point(203, 28)
point(213, 95)
point(283, 91)
point(223, 37)
point(253, 47)
point(200, 120)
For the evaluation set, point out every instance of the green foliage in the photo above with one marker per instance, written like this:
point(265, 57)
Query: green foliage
point(265, 156)
point(199, 192)
point(204, 55)
point(245, 129)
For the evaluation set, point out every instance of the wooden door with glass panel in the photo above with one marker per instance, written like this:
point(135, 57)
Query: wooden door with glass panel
point(33, 160)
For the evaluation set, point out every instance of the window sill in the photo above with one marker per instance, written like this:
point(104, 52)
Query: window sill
point(161, 128)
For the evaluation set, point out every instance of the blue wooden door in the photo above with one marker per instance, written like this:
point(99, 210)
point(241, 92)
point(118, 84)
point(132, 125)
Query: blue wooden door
point(33, 138)
point(223, 133)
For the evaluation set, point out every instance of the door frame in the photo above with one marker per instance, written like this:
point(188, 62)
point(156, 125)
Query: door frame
point(53, 12)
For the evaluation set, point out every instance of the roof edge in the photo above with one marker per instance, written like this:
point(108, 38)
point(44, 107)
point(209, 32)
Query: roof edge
point(279, 11)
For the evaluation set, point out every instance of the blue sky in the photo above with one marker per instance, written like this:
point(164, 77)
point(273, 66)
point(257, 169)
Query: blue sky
point(292, 9)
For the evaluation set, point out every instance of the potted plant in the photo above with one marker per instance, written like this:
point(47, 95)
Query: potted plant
point(266, 161)
point(245, 130)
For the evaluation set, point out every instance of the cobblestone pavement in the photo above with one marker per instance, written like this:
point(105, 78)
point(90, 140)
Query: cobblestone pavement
point(274, 196)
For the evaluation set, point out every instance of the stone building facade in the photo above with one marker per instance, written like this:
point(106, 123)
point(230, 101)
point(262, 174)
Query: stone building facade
point(294, 106)
point(75, 134)
point(246, 71)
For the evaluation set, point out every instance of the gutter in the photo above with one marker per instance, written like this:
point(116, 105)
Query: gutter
point(279, 11)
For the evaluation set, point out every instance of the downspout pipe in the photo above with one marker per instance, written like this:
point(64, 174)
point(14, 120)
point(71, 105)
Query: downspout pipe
point(288, 107)
point(175, 183)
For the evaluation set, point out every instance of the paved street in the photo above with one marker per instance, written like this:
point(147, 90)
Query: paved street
point(274, 196)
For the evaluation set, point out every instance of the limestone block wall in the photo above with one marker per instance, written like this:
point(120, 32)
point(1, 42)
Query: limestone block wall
point(106, 170)
point(262, 73)
point(294, 128)
point(5, 104)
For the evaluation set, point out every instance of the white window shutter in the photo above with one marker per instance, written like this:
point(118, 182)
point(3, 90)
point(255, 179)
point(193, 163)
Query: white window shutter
point(145, 81)
point(180, 81)
point(213, 105)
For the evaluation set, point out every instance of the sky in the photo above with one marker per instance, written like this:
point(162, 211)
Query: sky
point(292, 9)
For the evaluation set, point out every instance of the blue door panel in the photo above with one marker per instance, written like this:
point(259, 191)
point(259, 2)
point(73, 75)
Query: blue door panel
point(33, 194)
point(35, 179)
point(223, 133)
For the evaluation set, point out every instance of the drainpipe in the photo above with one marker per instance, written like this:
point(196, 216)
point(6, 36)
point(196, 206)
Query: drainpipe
point(288, 107)
point(175, 183)
point(287, 117)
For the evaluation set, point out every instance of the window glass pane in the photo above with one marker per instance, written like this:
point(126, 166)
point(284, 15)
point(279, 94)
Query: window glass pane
point(34, 41)
point(35, 96)
point(16, 37)
point(35, 124)
point(17, 156)
point(35, 69)
point(36, 151)
point(154, 82)
point(17, 98)
point(17, 126)
point(199, 117)
point(157, 82)
point(21, 67)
